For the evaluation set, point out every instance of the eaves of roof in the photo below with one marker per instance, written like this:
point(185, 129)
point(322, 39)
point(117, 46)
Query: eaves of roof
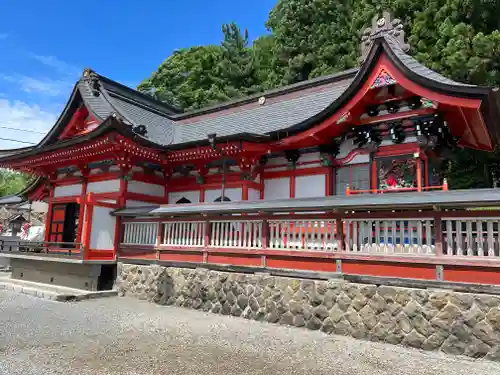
point(413, 200)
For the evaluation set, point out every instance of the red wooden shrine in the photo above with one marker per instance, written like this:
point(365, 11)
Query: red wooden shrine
point(129, 178)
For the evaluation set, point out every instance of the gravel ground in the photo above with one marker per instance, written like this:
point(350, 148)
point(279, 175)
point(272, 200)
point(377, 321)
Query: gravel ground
point(125, 336)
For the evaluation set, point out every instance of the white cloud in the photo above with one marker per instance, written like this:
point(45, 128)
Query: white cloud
point(43, 86)
point(59, 65)
point(30, 119)
point(4, 36)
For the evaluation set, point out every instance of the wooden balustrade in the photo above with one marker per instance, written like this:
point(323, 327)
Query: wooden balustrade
point(183, 233)
point(460, 237)
point(139, 233)
point(471, 237)
point(302, 234)
point(236, 234)
point(391, 236)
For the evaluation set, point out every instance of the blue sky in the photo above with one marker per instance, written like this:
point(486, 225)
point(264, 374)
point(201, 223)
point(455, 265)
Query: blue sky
point(45, 45)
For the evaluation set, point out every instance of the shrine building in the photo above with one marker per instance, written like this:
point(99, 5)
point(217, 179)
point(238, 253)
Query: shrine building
point(339, 174)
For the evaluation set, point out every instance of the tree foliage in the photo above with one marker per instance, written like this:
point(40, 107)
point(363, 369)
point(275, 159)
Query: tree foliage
point(309, 38)
point(12, 182)
point(199, 76)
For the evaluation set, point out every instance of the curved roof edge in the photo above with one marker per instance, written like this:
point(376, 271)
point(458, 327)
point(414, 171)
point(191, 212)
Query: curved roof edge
point(380, 45)
point(105, 98)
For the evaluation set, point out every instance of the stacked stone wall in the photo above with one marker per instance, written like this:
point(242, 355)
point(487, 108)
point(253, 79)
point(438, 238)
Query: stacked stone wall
point(452, 322)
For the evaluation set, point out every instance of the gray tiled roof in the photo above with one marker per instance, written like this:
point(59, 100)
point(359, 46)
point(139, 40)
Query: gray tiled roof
point(160, 128)
point(418, 68)
point(443, 199)
point(265, 118)
point(96, 103)
point(167, 127)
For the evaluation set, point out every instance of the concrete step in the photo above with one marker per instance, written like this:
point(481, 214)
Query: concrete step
point(50, 292)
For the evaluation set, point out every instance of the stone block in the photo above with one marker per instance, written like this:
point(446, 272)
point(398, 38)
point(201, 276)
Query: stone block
point(493, 317)
point(414, 339)
point(320, 312)
point(446, 316)
point(242, 301)
point(388, 293)
point(435, 340)
point(236, 311)
point(343, 301)
point(287, 318)
point(299, 321)
point(422, 326)
point(336, 314)
point(453, 345)
point(342, 327)
point(485, 332)
point(253, 304)
point(378, 304)
point(328, 325)
point(473, 316)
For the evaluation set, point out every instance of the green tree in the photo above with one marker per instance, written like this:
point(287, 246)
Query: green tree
point(188, 79)
point(12, 182)
point(237, 68)
point(199, 76)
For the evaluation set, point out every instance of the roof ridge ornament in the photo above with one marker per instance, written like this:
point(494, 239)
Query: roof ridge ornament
point(385, 27)
point(92, 80)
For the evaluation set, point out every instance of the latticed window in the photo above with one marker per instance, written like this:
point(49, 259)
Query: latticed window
point(356, 176)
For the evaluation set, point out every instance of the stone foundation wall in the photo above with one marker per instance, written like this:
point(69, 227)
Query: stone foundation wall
point(455, 323)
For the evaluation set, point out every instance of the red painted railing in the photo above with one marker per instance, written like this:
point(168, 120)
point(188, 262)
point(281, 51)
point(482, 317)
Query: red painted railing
point(443, 187)
point(397, 244)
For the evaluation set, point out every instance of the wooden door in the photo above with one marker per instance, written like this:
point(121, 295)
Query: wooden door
point(57, 223)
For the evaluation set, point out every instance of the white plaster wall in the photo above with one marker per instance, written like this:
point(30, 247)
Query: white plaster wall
point(277, 188)
point(132, 203)
point(359, 159)
point(310, 186)
point(108, 186)
point(345, 148)
point(103, 229)
point(276, 161)
point(310, 156)
point(193, 196)
point(68, 190)
point(387, 142)
point(146, 188)
point(233, 194)
point(253, 195)
point(36, 206)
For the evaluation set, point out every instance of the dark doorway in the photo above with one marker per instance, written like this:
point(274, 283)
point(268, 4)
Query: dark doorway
point(71, 222)
point(107, 277)
point(64, 223)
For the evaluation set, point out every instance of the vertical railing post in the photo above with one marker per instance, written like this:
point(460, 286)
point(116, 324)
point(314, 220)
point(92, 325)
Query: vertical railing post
point(438, 233)
point(265, 242)
point(265, 234)
point(159, 234)
point(339, 229)
point(206, 241)
point(159, 238)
